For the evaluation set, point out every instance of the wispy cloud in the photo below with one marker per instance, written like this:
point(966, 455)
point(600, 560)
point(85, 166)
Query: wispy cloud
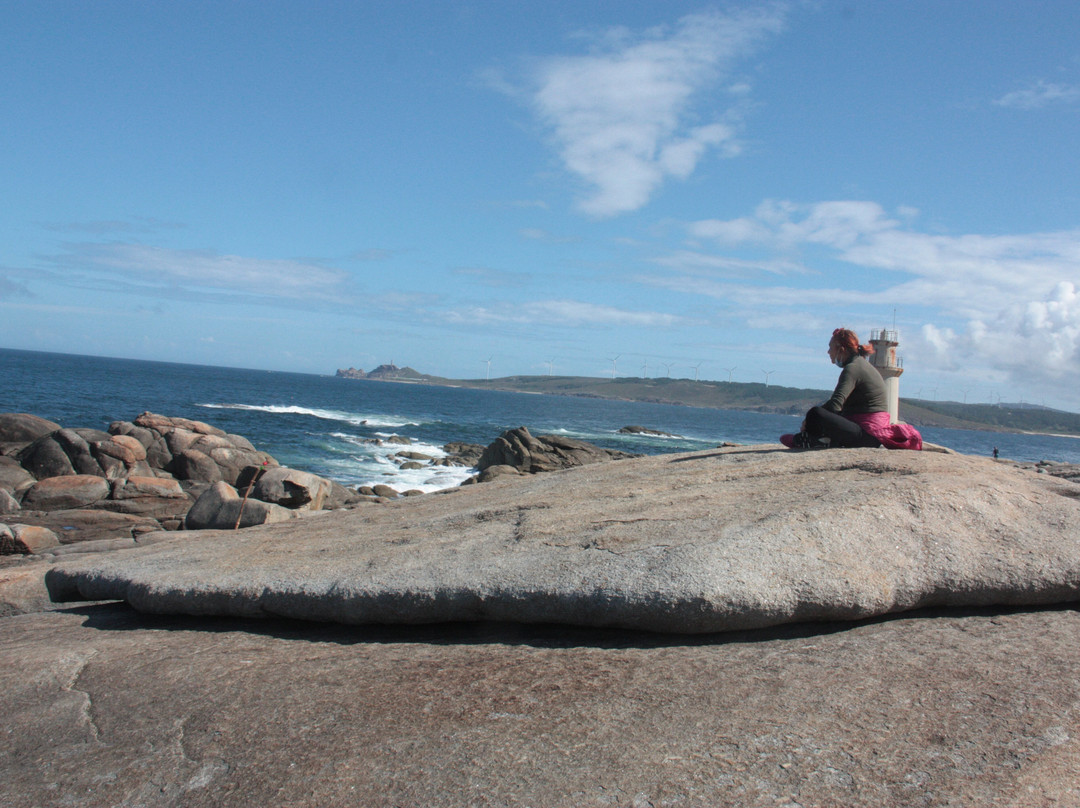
point(563, 313)
point(160, 266)
point(1039, 95)
point(623, 117)
point(537, 234)
point(487, 276)
point(10, 289)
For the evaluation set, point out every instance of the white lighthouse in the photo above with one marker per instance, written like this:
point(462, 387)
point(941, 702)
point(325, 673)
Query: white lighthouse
point(890, 367)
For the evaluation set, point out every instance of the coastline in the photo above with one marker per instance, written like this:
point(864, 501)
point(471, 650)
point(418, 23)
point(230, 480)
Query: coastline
point(732, 396)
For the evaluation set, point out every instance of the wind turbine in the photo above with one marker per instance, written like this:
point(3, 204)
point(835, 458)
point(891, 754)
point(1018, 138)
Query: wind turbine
point(768, 373)
point(487, 376)
point(613, 360)
point(730, 371)
point(645, 370)
point(695, 367)
point(550, 364)
point(669, 366)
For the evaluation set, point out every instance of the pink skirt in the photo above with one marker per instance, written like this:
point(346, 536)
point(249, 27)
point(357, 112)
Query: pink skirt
point(892, 436)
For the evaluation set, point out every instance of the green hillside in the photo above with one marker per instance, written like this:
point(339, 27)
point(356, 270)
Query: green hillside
point(753, 396)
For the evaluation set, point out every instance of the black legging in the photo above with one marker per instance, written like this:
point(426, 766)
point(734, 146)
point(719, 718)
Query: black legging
point(823, 423)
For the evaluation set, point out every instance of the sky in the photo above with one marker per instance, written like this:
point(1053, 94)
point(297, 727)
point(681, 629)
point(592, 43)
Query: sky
point(586, 188)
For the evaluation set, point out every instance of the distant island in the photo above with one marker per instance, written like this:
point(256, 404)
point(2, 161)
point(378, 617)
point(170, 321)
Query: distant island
point(753, 396)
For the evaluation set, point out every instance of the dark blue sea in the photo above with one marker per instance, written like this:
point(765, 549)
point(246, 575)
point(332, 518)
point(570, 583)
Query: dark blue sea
point(324, 424)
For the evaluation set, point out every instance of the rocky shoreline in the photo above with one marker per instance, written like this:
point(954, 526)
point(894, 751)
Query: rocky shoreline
point(77, 489)
point(896, 628)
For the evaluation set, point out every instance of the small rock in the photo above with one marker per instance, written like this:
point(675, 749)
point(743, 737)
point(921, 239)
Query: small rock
point(25, 539)
point(62, 493)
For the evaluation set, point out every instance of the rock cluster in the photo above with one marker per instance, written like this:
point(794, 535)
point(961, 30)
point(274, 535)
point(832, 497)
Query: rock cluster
point(67, 485)
point(527, 454)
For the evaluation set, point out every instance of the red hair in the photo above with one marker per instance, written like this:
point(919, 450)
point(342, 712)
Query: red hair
point(849, 341)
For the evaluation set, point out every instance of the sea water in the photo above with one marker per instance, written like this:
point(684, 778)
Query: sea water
point(337, 428)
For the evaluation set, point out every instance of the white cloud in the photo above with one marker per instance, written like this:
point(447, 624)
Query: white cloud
point(694, 262)
point(1039, 95)
point(1006, 303)
point(563, 313)
point(621, 116)
point(1034, 340)
point(160, 266)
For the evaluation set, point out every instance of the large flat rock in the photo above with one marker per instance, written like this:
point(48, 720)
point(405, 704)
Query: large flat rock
point(710, 541)
point(104, 707)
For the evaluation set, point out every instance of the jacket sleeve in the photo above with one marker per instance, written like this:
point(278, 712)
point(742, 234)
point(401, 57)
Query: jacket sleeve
point(844, 386)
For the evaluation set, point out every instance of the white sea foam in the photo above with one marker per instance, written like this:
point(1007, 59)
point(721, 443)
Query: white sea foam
point(369, 463)
point(358, 419)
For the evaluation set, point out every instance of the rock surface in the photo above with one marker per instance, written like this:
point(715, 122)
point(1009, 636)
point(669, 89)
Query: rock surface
point(703, 542)
point(105, 708)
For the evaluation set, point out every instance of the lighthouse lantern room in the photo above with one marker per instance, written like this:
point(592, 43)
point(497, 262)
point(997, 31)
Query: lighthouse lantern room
point(889, 365)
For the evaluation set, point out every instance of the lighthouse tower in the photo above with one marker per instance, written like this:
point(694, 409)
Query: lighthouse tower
point(890, 367)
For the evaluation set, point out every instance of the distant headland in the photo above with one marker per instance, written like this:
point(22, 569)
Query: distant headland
point(753, 396)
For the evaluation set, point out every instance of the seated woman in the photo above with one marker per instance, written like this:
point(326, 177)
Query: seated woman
point(857, 413)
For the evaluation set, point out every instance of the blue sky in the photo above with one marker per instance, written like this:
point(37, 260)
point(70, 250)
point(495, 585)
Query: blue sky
point(683, 188)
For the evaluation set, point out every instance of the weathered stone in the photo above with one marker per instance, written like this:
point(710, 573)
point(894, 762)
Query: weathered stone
point(231, 461)
point(121, 447)
point(81, 525)
point(61, 493)
point(76, 445)
point(644, 430)
point(191, 464)
point(292, 489)
point(410, 455)
point(158, 455)
point(467, 454)
point(22, 539)
point(492, 472)
point(518, 448)
point(19, 429)
point(240, 442)
point(163, 424)
point(45, 458)
point(342, 497)
point(702, 542)
point(8, 503)
point(381, 490)
point(411, 465)
point(248, 476)
point(400, 440)
point(160, 498)
point(157, 487)
point(105, 708)
point(22, 590)
point(178, 440)
point(220, 507)
point(14, 477)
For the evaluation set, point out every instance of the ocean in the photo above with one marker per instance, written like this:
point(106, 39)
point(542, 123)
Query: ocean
point(333, 427)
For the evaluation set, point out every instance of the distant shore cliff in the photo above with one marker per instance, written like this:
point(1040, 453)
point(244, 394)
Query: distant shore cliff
point(753, 396)
point(386, 373)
